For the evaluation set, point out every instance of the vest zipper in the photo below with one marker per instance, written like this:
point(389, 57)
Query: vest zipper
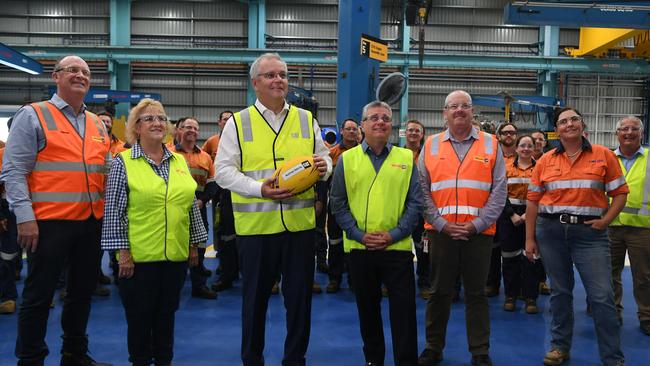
point(365, 228)
point(166, 194)
point(458, 172)
point(83, 161)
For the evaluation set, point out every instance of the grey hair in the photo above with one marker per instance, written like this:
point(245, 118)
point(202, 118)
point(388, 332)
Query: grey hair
point(269, 55)
point(375, 104)
point(630, 118)
point(466, 94)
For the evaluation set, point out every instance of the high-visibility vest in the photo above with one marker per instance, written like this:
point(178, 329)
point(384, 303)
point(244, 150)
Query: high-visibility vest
point(460, 190)
point(262, 152)
point(67, 182)
point(518, 181)
point(377, 199)
point(636, 211)
point(158, 211)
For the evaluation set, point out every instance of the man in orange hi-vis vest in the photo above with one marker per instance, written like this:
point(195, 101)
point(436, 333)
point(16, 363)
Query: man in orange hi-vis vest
point(463, 178)
point(54, 171)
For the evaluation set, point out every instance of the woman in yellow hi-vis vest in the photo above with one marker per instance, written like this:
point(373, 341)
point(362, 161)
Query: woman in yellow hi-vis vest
point(152, 219)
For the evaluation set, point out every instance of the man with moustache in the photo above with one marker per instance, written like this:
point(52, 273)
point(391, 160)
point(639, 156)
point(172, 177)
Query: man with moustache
point(274, 227)
point(376, 202)
point(463, 179)
point(54, 172)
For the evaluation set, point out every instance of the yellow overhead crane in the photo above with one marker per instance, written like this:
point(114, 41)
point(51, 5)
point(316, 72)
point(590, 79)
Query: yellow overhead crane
point(600, 42)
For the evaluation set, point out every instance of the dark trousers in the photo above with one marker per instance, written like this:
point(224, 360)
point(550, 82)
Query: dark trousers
point(9, 250)
point(228, 260)
point(393, 268)
point(422, 266)
point(472, 259)
point(336, 257)
point(261, 258)
point(494, 274)
point(521, 277)
point(150, 299)
point(321, 238)
point(78, 242)
point(196, 272)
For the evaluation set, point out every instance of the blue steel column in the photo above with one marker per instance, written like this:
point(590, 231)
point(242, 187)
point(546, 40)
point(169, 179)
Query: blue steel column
point(256, 35)
point(120, 35)
point(356, 74)
point(404, 103)
point(549, 37)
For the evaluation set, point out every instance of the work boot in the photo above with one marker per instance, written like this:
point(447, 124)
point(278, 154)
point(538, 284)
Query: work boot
point(556, 357)
point(509, 304)
point(8, 307)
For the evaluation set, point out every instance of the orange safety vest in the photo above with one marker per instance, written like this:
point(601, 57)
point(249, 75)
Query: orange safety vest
point(67, 182)
point(200, 164)
point(460, 189)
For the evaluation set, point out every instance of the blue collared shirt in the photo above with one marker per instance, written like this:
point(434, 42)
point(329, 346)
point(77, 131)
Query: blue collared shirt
point(115, 233)
point(25, 140)
point(341, 209)
point(628, 162)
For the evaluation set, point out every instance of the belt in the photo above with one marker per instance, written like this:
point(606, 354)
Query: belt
point(566, 218)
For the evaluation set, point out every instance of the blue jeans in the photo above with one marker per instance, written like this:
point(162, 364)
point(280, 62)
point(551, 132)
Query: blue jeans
point(561, 246)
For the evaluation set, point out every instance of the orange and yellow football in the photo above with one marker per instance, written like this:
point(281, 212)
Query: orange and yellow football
point(297, 174)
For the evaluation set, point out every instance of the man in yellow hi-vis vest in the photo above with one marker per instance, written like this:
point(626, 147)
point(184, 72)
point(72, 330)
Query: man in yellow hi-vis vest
point(376, 199)
point(630, 230)
point(275, 228)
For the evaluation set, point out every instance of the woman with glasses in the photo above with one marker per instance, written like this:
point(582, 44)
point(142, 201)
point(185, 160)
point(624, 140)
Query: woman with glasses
point(567, 215)
point(520, 277)
point(153, 221)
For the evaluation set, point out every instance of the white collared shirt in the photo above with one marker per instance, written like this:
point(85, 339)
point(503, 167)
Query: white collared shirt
point(227, 163)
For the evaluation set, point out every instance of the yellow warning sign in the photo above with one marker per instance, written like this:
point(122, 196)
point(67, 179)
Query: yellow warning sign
point(374, 48)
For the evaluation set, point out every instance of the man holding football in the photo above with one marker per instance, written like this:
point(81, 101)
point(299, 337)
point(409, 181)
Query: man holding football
point(274, 226)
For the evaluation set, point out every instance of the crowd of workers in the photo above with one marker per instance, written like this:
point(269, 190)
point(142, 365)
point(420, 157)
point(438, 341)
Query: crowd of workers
point(474, 206)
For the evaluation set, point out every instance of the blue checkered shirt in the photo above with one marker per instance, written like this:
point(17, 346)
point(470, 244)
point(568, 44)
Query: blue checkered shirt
point(115, 234)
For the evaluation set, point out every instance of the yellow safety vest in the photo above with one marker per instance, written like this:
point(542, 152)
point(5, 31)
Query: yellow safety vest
point(377, 199)
point(636, 211)
point(158, 211)
point(262, 152)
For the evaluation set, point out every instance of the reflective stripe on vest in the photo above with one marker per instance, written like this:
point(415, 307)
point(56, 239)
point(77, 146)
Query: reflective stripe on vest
point(574, 184)
point(518, 180)
point(639, 184)
point(262, 152)
point(158, 212)
point(574, 210)
point(377, 199)
point(517, 201)
point(67, 181)
point(461, 183)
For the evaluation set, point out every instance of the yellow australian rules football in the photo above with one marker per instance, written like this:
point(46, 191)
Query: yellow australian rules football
point(297, 175)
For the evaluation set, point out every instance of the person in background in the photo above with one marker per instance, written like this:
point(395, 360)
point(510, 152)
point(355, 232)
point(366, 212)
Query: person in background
point(376, 201)
point(53, 169)
point(541, 145)
point(153, 221)
point(202, 170)
point(337, 258)
point(567, 214)
point(414, 141)
point(117, 145)
point(8, 250)
point(630, 230)
point(274, 227)
point(211, 145)
point(462, 177)
point(520, 276)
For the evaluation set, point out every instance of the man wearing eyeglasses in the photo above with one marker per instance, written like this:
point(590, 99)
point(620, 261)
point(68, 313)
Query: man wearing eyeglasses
point(54, 171)
point(630, 230)
point(463, 179)
point(274, 226)
point(376, 200)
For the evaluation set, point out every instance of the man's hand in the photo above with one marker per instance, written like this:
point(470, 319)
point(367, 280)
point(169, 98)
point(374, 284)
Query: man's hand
point(458, 231)
point(269, 191)
point(321, 165)
point(126, 265)
point(598, 224)
point(378, 240)
point(193, 259)
point(28, 235)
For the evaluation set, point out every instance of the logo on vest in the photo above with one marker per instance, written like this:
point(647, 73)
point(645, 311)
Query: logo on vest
point(179, 171)
point(99, 139)
point(399, 166)
point(294, 135)
point(481, 159)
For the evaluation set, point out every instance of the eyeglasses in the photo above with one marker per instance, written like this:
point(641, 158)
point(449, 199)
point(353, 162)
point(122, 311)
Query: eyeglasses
point(152, 118)
point(74, 70)
point(464, 106)
point(272, 75)
point(572, 119)
point(414, 130)
point(376, 118)
point(351, 129)
point(628, 129)
point(508, 133)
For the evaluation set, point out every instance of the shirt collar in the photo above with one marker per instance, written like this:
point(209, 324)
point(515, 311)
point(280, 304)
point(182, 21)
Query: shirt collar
point(137, 152)
point(586, 145)
point(61, 104)
point(179, 147)
point(638, 152)
point(472, 135)
point(262, 108)
point(365, 146)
